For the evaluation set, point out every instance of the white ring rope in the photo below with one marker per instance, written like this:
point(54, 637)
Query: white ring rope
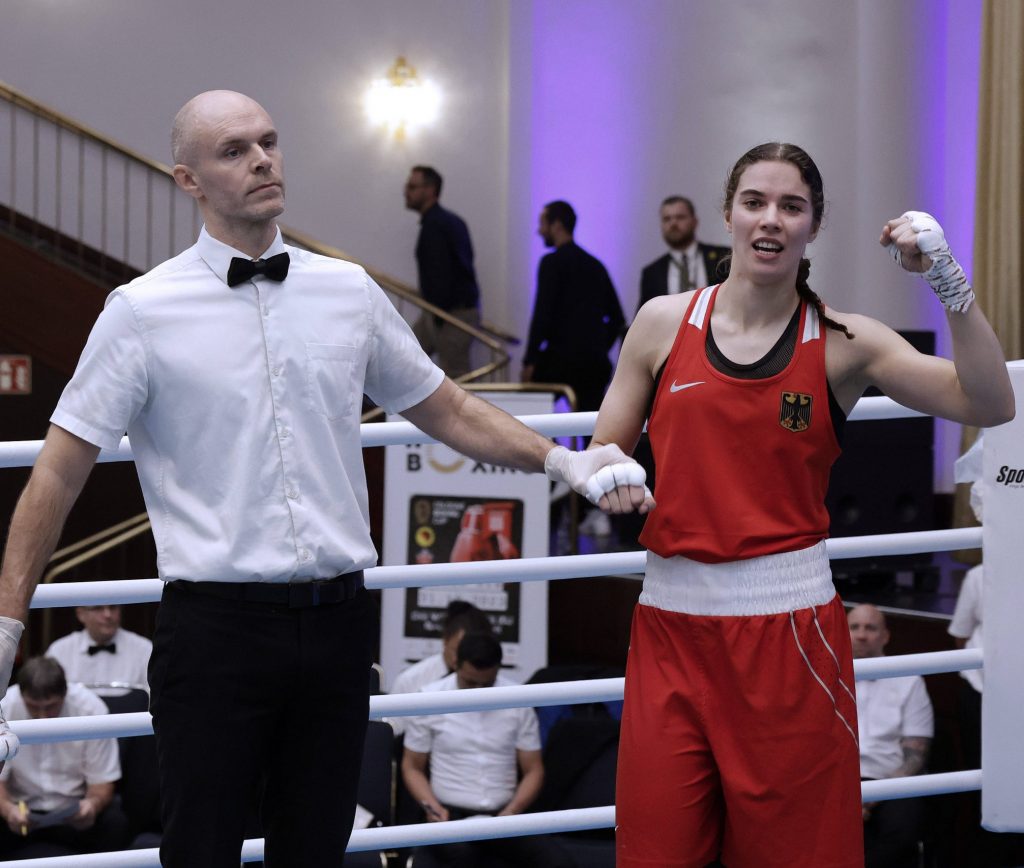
point(17, 454)
point(487, 828)
point(387, 838)
point(482, 698)
point(21, 453)
point(920, 785)
point(519, 570)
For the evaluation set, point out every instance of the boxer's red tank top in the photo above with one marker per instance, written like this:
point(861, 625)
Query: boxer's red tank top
point(741, 466)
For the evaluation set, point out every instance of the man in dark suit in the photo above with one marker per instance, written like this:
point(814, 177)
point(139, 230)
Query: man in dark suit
point(576, 315)
point(689, 264)
point(444, 262)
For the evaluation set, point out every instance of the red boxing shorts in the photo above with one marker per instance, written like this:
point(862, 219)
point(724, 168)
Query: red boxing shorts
point(739, 739)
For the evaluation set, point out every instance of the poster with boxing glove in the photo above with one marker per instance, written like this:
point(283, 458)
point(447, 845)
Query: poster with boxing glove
point(442, 507)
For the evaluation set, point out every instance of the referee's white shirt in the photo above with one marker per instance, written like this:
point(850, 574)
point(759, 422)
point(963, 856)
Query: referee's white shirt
point(242, 405)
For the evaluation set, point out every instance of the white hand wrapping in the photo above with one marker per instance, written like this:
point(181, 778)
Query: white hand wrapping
point(945, 276)
point(9, 742)
point(594, 472)
point(611, 476)
point(10, 635)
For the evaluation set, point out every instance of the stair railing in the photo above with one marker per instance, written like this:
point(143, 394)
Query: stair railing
point(105, 209)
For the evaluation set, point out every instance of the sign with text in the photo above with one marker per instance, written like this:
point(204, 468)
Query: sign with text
point(1002, 713)
point(442, 507)
point(15, 375)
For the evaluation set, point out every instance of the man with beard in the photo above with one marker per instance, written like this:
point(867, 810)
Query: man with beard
point(689, 263)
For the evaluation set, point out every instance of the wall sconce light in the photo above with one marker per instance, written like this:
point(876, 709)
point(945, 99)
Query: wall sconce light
point(401, 102)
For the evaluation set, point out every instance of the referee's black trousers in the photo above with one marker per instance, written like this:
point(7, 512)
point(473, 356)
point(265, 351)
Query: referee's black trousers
point(251, 697)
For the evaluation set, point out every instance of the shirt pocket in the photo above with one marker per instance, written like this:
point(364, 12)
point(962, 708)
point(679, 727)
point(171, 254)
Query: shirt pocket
point(330, 379)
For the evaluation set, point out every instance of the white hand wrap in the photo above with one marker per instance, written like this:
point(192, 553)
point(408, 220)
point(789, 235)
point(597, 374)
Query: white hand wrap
point(945, 276)
point(10, 635)
point(9, 742)
point(611, 476)
point(594, 472)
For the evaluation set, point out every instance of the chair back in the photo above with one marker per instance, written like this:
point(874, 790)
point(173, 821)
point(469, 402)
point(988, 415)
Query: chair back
point(121, 698)
point(376, 679)
point(139, 784)
point(376, 776)
point(579, 764)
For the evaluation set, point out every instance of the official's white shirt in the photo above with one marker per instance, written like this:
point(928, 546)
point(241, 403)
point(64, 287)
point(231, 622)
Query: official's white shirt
point(473, 763)
point(416, 677)
point(242, 405)
point(45, 776)
point(966, 623)
point(888, 710)
point(127, 663)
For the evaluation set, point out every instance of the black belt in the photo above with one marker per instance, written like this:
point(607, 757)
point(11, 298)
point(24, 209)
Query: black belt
point(294, 595)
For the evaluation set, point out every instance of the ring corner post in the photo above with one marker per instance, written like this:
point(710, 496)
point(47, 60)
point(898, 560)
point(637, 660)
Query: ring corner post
point(1003, 544)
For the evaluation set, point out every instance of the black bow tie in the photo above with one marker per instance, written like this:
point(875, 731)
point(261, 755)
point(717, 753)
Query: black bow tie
point(276, 268)
point(95, 649)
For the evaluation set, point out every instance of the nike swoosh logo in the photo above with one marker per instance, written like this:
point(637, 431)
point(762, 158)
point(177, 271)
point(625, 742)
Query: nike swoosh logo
point(675, 388)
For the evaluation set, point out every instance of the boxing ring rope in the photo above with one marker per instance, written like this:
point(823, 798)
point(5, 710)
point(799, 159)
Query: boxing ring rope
point(23, 453)
point(480, 699)
point(520, 570)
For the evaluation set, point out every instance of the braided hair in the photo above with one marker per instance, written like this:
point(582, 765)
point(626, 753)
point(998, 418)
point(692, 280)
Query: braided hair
point(783, 152)
point(805, 292)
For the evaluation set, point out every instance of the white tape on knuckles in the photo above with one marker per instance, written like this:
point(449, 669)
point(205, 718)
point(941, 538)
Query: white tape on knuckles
point(9, 742)
point(611, 476)
point(930, 237)
point(931, 240)
point(11, 630)
point(945, 276)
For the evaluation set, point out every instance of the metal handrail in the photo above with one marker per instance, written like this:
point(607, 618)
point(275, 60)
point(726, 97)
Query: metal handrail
point(86, 549)
point(16, 97)
point(62, 553)
point(111, 543)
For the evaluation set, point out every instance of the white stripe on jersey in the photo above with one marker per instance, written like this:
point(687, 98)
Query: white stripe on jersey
point(812, 325)
point(700, 309)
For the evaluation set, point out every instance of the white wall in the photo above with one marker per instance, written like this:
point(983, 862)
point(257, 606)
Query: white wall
point(124, 68)
point(607, 103)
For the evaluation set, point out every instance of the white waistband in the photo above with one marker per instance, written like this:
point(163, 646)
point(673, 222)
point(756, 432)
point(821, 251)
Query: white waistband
point(765, 585)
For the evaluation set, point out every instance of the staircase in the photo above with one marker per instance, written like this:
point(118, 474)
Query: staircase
point(81, 214)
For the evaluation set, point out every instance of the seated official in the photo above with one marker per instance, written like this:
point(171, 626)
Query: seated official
point(473, 759)
point(460, 618)
point(103, 652)
point(58, 798)
point(896, 724)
